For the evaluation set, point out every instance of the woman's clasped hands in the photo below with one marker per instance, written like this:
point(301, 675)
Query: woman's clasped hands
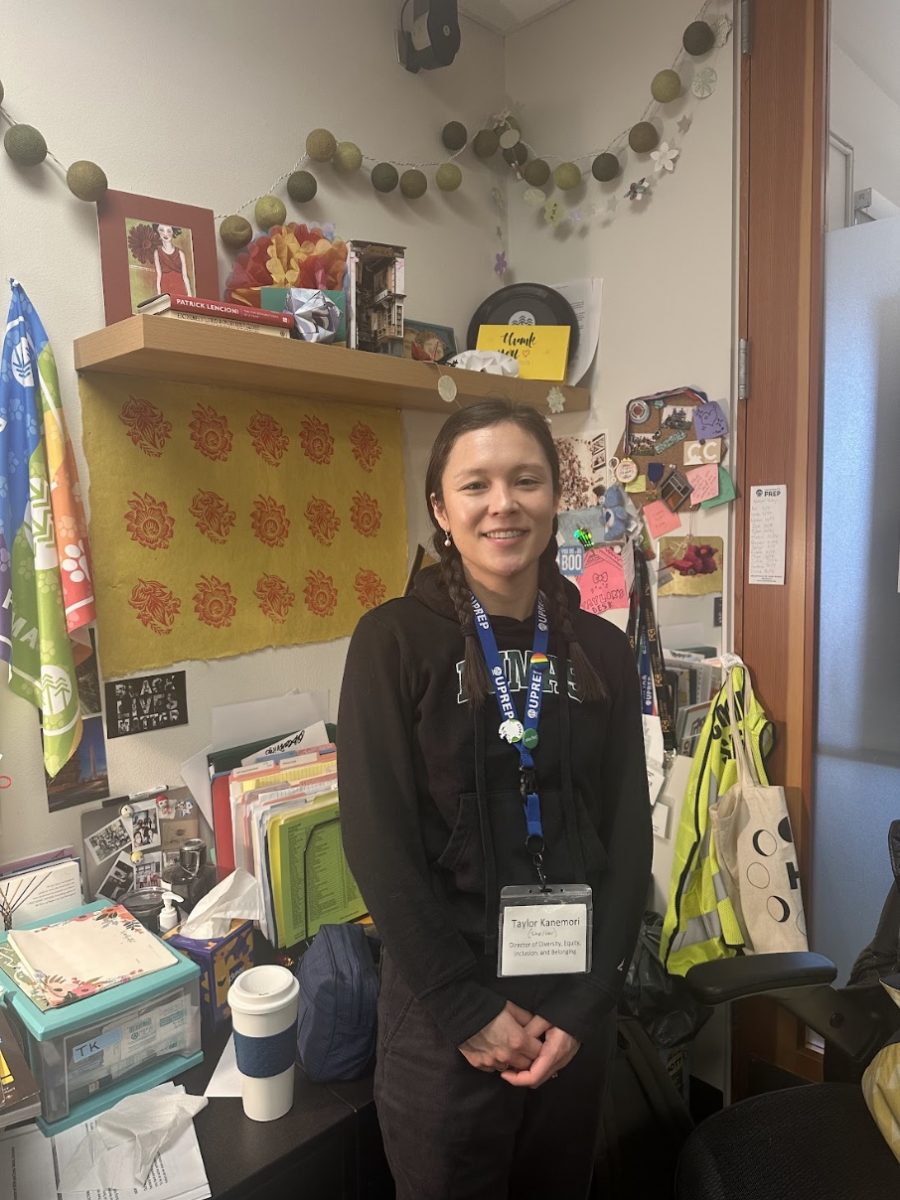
point(525, 1049)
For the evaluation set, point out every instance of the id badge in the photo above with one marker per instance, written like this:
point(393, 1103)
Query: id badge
point(545, 931)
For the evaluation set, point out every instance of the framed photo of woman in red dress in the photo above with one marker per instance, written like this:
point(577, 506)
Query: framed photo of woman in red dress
point(150, 246)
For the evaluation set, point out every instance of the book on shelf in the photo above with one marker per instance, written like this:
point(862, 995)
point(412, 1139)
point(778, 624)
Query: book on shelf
point(20, 1096)
point(279, 331)
point(198, 306)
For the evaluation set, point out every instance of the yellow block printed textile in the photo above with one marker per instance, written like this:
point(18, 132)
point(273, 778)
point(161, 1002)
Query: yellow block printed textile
point(223, 521)
point(881, 1081)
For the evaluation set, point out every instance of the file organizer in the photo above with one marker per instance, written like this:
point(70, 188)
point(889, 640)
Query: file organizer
point(89, 1055)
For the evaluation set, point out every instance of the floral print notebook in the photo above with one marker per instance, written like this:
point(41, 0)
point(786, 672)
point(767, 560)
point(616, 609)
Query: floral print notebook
point(74, 959)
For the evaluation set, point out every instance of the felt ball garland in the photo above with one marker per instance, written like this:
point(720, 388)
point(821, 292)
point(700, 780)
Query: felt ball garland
point(87, 181)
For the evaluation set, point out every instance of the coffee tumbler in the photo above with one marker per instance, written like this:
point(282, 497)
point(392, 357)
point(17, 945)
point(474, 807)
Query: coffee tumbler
point(263, 1002)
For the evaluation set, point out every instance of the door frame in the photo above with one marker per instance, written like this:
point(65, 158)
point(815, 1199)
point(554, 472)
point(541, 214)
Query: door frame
point(783, 156)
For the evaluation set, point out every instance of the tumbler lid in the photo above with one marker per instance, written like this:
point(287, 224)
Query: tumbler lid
point(260, 990)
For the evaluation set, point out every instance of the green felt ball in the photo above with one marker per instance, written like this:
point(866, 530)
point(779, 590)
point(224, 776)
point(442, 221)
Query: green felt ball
point(643, 137)
point(24, 145)
point(384, 177)
point(536, 172)
point(413, 184)
point(516, 155)
point(235, 232)
point(321, 145)
point(698, 38)
point(485, 143)
point(605, 167)
point(269, 211)
point(448, 177)
point(86, 181)
point(301, 186)
point(347, 157)
point(454, 135)
point(666, 86)
point(567, 176)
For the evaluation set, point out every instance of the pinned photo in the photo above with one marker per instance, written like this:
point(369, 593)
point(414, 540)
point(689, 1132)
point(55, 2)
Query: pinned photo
point(109, 840)
point(145, 834)
point(119, 879)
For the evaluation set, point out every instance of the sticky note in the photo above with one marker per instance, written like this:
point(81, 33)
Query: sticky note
point(726, 490)
point(704, 483)
point(602, 582)
point(637, 485)
point(660, 519)
point(709, 421)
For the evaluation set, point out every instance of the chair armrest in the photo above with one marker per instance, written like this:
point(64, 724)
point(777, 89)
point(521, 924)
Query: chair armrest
point(734, 978)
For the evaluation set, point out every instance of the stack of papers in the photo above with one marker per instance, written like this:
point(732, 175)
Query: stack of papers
point(33, 889)
point(74, 959)
point(286, 831)
point(33, 1165)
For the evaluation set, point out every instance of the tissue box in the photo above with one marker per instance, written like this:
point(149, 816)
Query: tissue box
point(86, 1056)
point(220, 960)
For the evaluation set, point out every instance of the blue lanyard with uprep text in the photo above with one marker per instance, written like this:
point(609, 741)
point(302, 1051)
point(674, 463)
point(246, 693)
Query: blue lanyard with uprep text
point(522, 735)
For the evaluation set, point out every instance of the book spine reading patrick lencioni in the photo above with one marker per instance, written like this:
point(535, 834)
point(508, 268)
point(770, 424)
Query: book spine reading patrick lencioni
point(215, 308)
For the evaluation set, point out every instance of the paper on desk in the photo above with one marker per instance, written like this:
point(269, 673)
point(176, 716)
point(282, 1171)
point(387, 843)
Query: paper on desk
point(226, 1078)
point(33, 1165)
point(584, 297)
point(250, 720)
point(118, 1148)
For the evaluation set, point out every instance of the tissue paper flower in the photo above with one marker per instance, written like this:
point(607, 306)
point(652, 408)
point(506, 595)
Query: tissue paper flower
point(664, 157)
point(287, 256)
point(556, 401)
point(638, 189)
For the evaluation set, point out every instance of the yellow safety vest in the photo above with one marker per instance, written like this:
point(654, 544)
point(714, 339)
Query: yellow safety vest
point(700, 923)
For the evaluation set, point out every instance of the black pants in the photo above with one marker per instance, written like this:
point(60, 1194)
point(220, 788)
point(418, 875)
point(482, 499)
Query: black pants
point(452, 1132)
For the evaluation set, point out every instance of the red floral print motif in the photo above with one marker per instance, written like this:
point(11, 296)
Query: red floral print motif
point(146, 425)
point(210, 433)
point(321, 594)
point(316, 440)
point(323, 520)
point(213, 515)
point(214, 602)
point(276, 598)
point(370, 589)
point(270, 521)
point(156, 605)
point(148, 521)
point(365, 515)
point(365, 445)
point(269, 439)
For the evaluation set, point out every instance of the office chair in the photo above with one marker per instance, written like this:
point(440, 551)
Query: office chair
point(815, 1141)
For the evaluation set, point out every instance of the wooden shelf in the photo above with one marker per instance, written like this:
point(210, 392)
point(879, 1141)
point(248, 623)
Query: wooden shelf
point(191, 352)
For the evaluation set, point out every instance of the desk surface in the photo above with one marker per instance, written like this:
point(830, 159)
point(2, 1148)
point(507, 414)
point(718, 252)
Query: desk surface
point(327, 1145)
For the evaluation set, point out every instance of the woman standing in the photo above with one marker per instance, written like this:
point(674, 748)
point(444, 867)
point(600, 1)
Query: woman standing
point(462, 801)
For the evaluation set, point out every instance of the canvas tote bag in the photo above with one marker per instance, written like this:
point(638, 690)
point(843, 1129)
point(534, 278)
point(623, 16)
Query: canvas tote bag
point(755, 848)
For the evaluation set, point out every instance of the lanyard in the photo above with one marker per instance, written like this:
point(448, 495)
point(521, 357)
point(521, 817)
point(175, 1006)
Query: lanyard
point(643, 635)
point(522, 735)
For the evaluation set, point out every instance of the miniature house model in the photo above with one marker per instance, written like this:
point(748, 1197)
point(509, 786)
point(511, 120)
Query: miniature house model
point(376, 292)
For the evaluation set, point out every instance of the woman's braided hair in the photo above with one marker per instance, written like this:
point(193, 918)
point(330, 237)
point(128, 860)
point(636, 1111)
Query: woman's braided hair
point(550, 580)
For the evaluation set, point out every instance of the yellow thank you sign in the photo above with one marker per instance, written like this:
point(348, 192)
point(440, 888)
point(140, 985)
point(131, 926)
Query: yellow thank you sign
point(540, 350)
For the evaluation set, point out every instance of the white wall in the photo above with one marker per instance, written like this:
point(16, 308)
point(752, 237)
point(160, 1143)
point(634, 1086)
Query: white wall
point(866, 117)
point(208, 102)
point(667, 267)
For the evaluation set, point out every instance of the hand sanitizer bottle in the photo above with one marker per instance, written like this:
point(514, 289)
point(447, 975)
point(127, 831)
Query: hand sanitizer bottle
point(168, 918)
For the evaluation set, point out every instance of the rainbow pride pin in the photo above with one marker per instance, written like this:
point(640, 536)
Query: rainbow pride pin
point(540, 661)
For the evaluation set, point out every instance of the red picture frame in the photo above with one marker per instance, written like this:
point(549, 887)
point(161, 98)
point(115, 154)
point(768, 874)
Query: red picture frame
point(149, 246)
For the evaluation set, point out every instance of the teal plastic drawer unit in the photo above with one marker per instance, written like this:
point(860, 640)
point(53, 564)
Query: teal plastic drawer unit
point(86, 1056)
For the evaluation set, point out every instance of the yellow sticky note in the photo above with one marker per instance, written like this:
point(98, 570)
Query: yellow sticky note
point(540, 350)
point(637, 485)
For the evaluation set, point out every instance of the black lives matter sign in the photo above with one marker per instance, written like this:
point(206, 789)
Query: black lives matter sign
point(145, 703)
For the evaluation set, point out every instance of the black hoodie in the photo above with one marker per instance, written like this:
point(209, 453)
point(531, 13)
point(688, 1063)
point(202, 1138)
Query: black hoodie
point(429, 855)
